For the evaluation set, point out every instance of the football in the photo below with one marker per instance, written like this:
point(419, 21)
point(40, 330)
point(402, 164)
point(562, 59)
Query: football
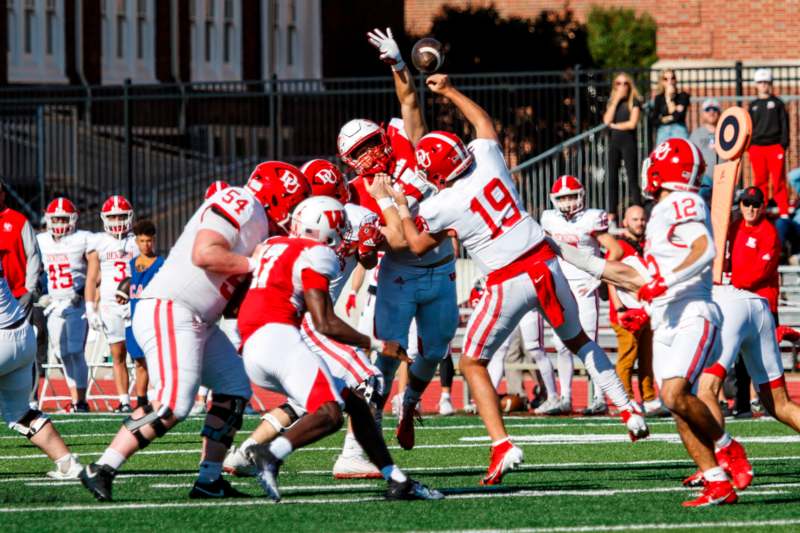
point(512, 403)
point(427, 55)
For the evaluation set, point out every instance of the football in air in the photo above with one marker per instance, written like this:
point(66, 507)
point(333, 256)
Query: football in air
point(427, 55)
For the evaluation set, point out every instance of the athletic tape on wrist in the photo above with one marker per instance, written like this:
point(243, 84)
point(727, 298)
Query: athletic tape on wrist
point(385, 203)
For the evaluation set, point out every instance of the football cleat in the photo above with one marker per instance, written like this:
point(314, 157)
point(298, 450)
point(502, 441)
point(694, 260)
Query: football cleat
point(123, 408)
point(355, 467)
point(733, 460)
point(446, 406)
point(637, 427)
point(504, 457)
point(71, 470)
point(547, 405)
point(237, 463)
point(98, 480)
point(405, 426)
point(267, 466)
point(563, 407)
point(695, 480)
point(598, 407)
point(714, 493)
point(199, 408)
point(411, 490)
point(217, 489)
point(397, 405)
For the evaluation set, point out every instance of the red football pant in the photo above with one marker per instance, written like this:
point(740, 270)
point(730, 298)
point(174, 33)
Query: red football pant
point(769, 167)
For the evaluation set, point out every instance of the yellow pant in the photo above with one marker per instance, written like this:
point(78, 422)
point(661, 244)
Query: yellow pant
point(631, 346)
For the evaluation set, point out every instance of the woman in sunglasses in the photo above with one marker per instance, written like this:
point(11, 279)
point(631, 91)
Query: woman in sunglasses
point(669, 108)
point(622, 116)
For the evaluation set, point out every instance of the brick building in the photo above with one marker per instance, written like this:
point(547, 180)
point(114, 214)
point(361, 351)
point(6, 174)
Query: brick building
point(690, 32)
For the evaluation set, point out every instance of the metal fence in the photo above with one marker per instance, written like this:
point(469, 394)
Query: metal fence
point(162, 144)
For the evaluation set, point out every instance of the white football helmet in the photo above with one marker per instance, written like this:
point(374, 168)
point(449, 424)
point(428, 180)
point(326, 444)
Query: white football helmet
point(321, 218)
point(358, 132)
point(568, 195)
point(61, 217)
point(120, 208)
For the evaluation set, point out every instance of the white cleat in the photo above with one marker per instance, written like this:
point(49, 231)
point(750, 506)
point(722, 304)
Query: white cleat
point(355, 467)
point(637, 427)
point(547, 405)
point(397, 404)
point(237, 463)
point(446, 406)
point(199, 408)
point(70, 471)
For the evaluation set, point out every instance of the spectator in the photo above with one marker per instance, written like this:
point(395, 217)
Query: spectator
point(769, 142)
point(669, 108)
point(20, 254)
point(143, 267)
point(789, 228)
point(622, 116)
point(704, 137)
point(631, 323)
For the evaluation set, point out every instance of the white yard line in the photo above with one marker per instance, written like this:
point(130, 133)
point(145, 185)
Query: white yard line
point(638, 527)
point(597, 438)
point(253, 483)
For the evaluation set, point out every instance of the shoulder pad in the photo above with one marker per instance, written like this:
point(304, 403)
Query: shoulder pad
point(685, 207)
point(234, 204)
point(322, 260)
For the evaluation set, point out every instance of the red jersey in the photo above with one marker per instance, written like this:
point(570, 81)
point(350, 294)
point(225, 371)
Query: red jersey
point(17, 245)
point(754, 255)
point(288, 266)
point(628, 249)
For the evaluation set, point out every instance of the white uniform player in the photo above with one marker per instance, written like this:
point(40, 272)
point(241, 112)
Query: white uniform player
point(115, 255)
point(63, 250)
point(570, 223)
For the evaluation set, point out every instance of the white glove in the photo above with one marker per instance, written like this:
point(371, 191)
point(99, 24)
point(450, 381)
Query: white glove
point(92, 317)
point(387, 46)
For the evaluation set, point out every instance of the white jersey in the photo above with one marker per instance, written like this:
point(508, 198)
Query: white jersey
point(65, 262)
point(664, 249)
point(356, 215)
point(115, 256)
point(485, 210)
point(235, 214)
point(580, 231)
point(10, 311)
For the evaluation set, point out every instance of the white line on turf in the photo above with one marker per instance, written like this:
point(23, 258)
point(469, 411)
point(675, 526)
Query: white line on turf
point(596, 438)
point(638, 527)
point(283, 487)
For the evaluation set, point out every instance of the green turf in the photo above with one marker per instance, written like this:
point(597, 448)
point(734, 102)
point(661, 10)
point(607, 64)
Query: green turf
point(561, 485)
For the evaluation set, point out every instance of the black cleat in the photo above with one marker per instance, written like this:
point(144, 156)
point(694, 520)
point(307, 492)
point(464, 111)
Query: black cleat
point(215, 490)
point(123, 408)
point(267, 466)
point(411, 490)
point(80, 407)
point(98, 479)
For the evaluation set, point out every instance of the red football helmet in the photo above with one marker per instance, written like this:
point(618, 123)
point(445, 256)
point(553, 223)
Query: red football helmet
point(61, 217)
point(443, 157)
point(279, 187)
point(568, 195)
point(675, 164)
point(117, 206)
point(215, 187)
point(326, 180)
point(361, 135)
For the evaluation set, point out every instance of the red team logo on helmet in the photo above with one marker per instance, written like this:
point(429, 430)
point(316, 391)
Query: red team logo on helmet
point(364, 147)
point(322, 219)
point(122, 212)
point(675, 164)
point(443, 157)
point(568, 195)
point(215, 187)
point(279, 187)
point(61, 217)
point(326, 180)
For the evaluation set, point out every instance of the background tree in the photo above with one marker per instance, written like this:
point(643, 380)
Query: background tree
point(619, 39)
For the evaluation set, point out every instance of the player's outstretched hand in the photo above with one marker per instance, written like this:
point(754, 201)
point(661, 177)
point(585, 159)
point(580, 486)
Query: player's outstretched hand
point(387, 46)
point(399, 197)
point(438, 83)
point(393, 350)
point(652, 290)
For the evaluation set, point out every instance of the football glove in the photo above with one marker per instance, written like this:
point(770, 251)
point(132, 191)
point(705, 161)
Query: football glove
point(351, 303)
point(633, 319)
point(369, 238)
point(654, 289)
point(92, 317)
point(387, 46)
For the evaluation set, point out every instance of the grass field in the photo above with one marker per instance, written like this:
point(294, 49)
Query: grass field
point(579, 475)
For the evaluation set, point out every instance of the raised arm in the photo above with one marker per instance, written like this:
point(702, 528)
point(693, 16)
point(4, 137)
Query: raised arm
point(475, 114)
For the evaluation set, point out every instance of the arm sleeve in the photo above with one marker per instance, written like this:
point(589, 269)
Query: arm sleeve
point(34, 258)
point(213, 221)
point(689, 232)
point(580, 259)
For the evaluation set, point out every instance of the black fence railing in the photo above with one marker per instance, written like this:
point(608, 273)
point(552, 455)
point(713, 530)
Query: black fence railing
point(161, 145)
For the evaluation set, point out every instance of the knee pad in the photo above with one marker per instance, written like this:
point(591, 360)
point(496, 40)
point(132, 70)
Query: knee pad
point(153, 418)
point(231, 416)
point(30, 424)
point(276, 424)
point(424, 369)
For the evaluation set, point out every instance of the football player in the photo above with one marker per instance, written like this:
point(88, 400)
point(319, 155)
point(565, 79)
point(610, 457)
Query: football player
point(294, 274)
point(410, 286)
point(570, 222)
point(679, 252)
point(109, 256)
point(64, 249)
point(17, 354)
point(478, 202)
point(175, 324)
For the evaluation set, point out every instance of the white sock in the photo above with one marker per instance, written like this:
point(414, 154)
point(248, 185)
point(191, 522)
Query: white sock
point(547, 372)
point(124, 399)
point(603, 374)
point(249, 441)
point(112, 458)
point(210, 471)
point(444, 396)
point(724, 441)
point(565, 369)
point(501, 441)
point(715, 474)
point(280, 448)
point(62, 463)
point(392, 473)
point(351, 446)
